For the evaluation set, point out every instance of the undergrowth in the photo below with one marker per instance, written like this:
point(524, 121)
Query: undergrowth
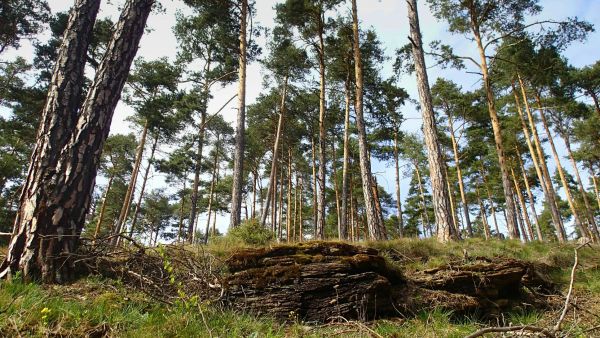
point(96, 307)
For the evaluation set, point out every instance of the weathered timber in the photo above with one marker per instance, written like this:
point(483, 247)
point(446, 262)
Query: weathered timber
point(319, 281)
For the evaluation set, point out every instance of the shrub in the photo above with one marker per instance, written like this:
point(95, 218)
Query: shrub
point(251, 232)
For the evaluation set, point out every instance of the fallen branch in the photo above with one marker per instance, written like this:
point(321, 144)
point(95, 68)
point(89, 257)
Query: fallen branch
point(529, 328)
point(570, 292)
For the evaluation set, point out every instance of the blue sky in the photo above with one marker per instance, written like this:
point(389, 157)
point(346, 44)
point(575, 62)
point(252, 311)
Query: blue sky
point(387, 17)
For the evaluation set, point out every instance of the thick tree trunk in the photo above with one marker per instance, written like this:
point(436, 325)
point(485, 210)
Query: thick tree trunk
point(398, 195)
point(584, 230)
point(376, 228)
point(586, 201)
point(511, 216)
point(538, 228)
point(124, 214)
point(346, 160)
point(103, 208)
point(238, 157)
point(551, 196)
point(441, 200)
point(143, 189)
point(54, 205)
point(320, 224)
point(452, 203)
point(459, 175)
point(272, 176)
point(212, 190)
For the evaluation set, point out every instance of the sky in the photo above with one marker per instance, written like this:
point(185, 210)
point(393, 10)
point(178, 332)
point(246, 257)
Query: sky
point(387, 17)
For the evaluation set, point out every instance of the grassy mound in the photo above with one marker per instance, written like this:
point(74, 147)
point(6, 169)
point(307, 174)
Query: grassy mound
point(100, 307)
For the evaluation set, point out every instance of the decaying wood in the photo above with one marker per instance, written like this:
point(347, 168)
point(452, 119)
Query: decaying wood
point(317, 281)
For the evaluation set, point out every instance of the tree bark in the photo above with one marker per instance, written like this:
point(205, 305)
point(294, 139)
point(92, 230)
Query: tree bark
point(238, 158)
point(452, 203)
point(212, 189)
point(376, 228)
point(181, 208)
point(124, 214)
point(523, 206)
point(280, 213)
point(584, 231)
point(320, 224)
point(346, 160)
point(197, 168)
point(398, 195)
point(594, 180)
point(486, 226)
point(560, 230)
point(511, 219)
point(441, 200)
point(144, 181)
point(336, 191)
point(538, 228)
point(50, 222)
point(288, 218)
point(103, 208)
point(272, 176)
point(32, 248)
point(586, 201)
point(315, 192)
point(459, 175)
point(489, 195)
point(424, 213)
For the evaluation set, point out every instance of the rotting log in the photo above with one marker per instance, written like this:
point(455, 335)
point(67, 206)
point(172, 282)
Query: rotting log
point(318, 281)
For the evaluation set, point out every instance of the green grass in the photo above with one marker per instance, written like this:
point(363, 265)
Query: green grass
point(93, 306)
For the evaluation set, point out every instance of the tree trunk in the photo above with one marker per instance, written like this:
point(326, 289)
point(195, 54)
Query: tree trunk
point(124, 214)
point(214, 225)
point(280, 214)
point(288, 218)
point(441, 200)
point(103, 208)
point(398, 196)
point(295, 212)
point(511, 219)
point(489, 195)
point(584, 231)
point(181, 208)
point(486, 226)
point(254, 183)
point(538, 228)
point(376, 228)
point(523, 207)
point(300, 220)
point(461, 185)
point(424, 213)
point(144, 181)
point(336, 191)
point(238, 157)
point(212, 189)
point(346, 161)
point(272, 176)
point(197, 169)
point(320, 224)
point(594, 97)
point(551, 196)
point(594, 180)
point(315, 192)
point(586, 201)
point(452, 204)
point(52, 216)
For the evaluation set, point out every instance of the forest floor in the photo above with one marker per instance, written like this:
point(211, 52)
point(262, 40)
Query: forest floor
point(97, 306)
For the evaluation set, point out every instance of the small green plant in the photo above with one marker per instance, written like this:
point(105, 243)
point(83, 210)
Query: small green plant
point(251, 232)
point(45, 312)
point(184, 301)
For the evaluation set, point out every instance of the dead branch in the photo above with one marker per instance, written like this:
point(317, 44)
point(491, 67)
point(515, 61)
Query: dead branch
point(529, 328)
point(568, 298)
